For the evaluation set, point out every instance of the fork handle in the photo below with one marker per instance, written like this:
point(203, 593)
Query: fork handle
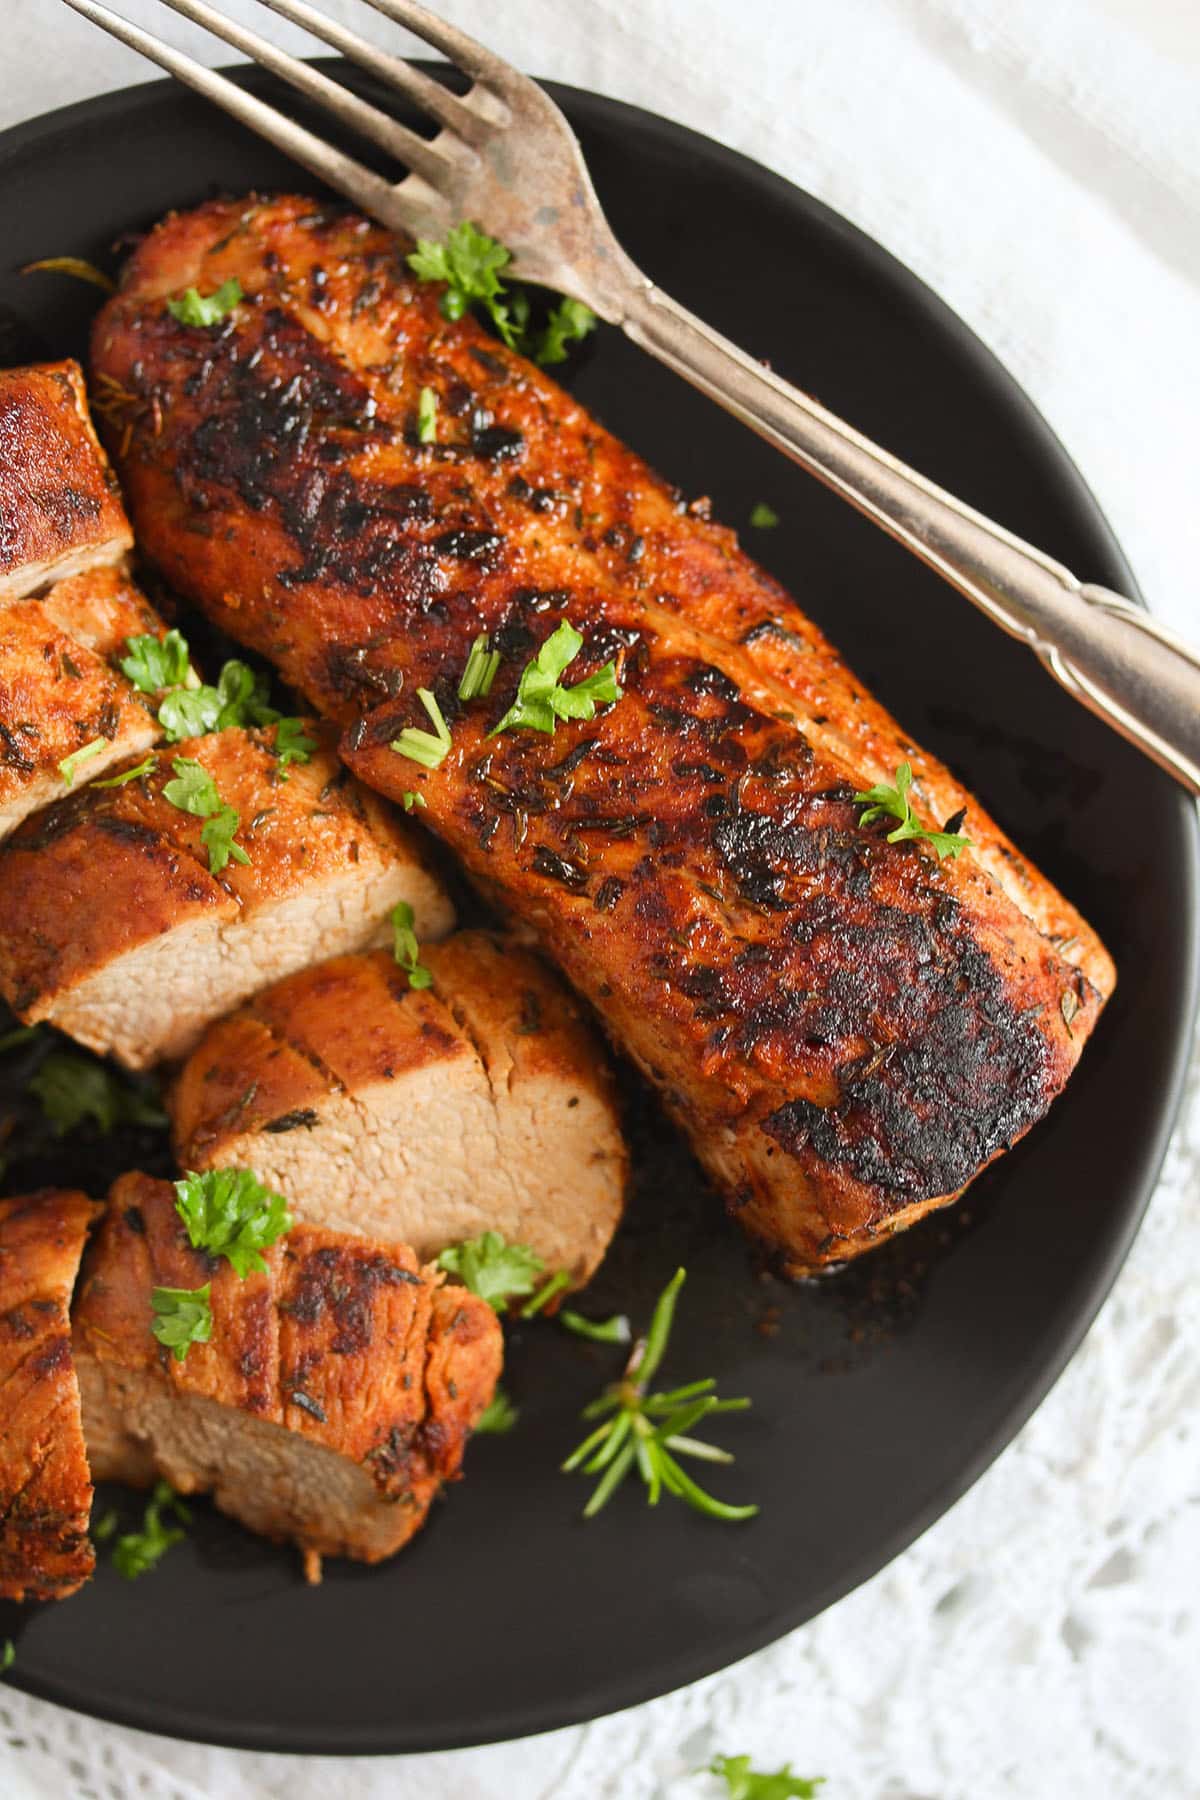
point(1106, 652)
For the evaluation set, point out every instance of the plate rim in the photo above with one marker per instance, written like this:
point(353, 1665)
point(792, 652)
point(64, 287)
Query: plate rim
point(683, 1669)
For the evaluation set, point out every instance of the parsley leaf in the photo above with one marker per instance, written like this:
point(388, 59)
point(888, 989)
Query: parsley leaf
point(568, 322)
point(74, 1088)
point(217, 836)
point(194, 791)
point(745, 1783)
point(470, 263)
point(229, 1213)
point(239, 699)
point(893, 802)
point(427, 411)
point(495, 1270)
point(137, 1552)
point(194, 308)
point(498, 1416)
point(557, 1282)
point(127, 775)
point(292, 743)
point(763, 517)
point(410, 800)
point(69, 764)
point(405, 947)
point(599, 1331)
point(650, 1431)
point(425, 747)
point(153, 664)
point(541, 700)
point(182, 1317)
point(8, 1654)
point(480, 672)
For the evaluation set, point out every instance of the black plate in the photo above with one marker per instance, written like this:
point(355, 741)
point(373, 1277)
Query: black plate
point(880, 1395)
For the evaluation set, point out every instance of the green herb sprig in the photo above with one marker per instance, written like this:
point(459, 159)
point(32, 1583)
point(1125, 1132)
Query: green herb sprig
point(69, 767)
point(405, 948)
point(480, 671)
point(893, 802)
point(194, 308)
point(493, 1268)
point(427, 412)
point(745, 1783)
point(650, 1431)
point(72, 1089)
point(137, 1552)
point(498, 1416)
point(194, 791)
point(230, 1213)
point(471, 264)
point(182, 1317)
point(541, 699)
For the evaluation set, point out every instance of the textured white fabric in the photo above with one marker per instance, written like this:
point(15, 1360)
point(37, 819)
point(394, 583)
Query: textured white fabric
point(1037, 161)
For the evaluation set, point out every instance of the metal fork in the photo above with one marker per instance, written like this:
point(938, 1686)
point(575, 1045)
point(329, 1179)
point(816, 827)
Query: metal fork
point(506, 158)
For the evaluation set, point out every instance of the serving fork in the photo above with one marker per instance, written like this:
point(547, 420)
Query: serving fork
point(505, 157)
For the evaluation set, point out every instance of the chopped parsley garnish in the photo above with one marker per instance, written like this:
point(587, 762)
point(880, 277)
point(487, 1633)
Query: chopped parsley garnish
point(292, 743)
point(155, 664)
point(239, 699)
point(427, 412)
point(763, 517)
point(541, 699)
point(182, 1317)
point(650, 1431)
point(600, 1331)
point(70, 764)
point(194, 308)
point(470, 263)
point(78, 266)
point(229, 1213)
point(557, 1282)
point(410, 799)
point(568, 323)
point(194, 791)
point(425, 747)
point(480, 672)
point(405, 947)
point(74, 1088)
point(137, 1552)
point(893, 802)
point(8, 1654)
point(745, 1783)
point(495, 1270)
point(127, 775)
point(499, 1415)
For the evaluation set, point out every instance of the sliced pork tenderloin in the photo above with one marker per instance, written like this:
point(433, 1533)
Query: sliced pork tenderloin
point(45, 1486)
point(333, 1399)
point(114, 927)
point(60, 510)
point(61, 691)
point(484, 1102)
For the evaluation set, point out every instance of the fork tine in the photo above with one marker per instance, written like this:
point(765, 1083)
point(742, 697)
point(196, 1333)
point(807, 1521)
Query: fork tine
point(471, 56)
point(447, 108)
point(368, 121)
point(363, 186)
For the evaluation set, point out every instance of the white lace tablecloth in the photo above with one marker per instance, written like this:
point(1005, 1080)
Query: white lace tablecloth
point(1038, 162)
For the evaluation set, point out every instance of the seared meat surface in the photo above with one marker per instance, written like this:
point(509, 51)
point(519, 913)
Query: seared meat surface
point(482, 1103)
point(59, 507)
point(45, 1486)
point(848, 1029)
point(334, 1398)
point(115, 929)
point(61, 691)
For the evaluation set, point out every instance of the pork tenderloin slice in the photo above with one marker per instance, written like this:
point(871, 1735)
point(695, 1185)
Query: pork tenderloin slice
point(335, 1395)
point(483, 1103)
point(113, 928)
point(60, 508)
point(45, 1486)
point(60, 688)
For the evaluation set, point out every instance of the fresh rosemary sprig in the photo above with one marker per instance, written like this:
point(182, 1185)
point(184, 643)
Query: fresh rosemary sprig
point(652, 1430)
